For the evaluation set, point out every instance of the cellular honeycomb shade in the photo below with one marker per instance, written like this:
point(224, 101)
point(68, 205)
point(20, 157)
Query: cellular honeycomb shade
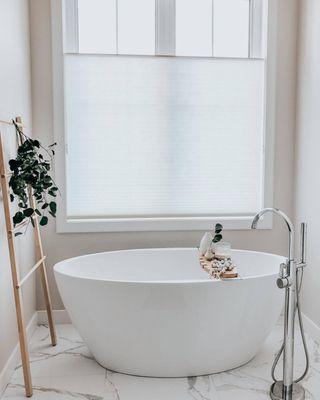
point(152, 137)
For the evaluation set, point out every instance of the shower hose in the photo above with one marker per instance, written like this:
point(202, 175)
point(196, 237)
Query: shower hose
point(298, 310)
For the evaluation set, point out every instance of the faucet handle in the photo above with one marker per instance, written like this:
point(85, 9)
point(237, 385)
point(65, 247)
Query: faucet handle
point(283, 281)
point(283, 271)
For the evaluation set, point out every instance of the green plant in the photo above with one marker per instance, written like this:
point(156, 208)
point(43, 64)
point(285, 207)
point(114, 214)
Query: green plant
point(217, 233)
point(30, 171)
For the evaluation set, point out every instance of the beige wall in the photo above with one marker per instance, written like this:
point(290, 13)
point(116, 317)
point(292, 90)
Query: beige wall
point(307, 187)
point(60, 246)
point(15, 99)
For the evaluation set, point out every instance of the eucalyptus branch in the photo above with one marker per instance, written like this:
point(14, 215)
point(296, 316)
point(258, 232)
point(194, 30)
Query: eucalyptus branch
point(218, 236)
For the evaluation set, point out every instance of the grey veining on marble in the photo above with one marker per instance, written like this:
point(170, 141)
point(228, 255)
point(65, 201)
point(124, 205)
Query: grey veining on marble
point(68, 372)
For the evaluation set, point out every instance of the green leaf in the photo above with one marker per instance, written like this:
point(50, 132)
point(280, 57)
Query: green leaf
point(218, 227)
point(13, 164)
point(53, 207)
point(28, 212)
point(53, 214)
point(18, 217)
point(52, 193)
point(18, 234)
point(38, 212)
point(217, 238)
point(11, 197)
point(45, 206)
point(43, 220)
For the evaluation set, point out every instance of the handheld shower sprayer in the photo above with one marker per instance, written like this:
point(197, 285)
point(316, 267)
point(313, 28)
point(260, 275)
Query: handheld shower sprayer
point(303, 244)
point(289, 389)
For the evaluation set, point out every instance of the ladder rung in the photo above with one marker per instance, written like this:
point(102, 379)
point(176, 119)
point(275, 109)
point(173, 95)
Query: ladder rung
point(11, 123)
point(32, 270)
point(23, 223)
point(8, 175)
point(17, 227)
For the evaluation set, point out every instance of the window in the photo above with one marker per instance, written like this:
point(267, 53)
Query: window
point(197, 28)
point(159, 143)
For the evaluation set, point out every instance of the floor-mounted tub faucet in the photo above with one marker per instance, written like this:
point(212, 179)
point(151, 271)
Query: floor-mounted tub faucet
point(288, 389)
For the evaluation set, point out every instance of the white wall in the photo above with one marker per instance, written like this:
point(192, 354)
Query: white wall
point(15, 99)
point(307, 167)
point(60, 246)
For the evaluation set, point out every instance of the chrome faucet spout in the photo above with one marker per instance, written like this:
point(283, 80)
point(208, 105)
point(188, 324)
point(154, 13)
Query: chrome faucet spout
point(275, 211)
point(286, 219)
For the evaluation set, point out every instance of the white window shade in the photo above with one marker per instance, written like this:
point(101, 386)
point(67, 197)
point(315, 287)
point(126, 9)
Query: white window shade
point(155, 137)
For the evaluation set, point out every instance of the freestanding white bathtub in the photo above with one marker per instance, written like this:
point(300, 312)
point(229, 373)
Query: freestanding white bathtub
point(155, 312)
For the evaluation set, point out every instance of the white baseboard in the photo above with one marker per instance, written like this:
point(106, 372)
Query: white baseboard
point(59, 317)
point(311, 328)
point(8, 369)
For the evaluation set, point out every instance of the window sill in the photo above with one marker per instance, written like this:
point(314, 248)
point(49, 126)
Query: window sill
point(158, 224)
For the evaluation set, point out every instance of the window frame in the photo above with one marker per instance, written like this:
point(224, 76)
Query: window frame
point(231, 222)
point(165, 29)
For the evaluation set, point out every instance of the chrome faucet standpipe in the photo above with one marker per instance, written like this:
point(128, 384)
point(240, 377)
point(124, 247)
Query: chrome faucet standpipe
point(288, 389)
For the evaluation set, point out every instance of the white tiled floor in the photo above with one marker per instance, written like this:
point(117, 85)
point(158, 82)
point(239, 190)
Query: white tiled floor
point(68, 371)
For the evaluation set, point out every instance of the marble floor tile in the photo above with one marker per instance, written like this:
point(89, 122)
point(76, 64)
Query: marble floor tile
point(70, 357)
point(96, 384)
point(68, 371)
point(16, 392)
point(138, 388)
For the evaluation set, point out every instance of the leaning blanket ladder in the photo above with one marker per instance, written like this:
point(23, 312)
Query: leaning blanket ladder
point(17, 282)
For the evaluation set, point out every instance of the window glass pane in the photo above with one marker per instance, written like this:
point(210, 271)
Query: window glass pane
point(163, 136)
point(136, 27)
point(194, 28)
point(97, 26)
point(231, 28)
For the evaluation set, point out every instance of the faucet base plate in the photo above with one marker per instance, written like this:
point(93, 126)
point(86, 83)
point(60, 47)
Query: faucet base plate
point(276, 393)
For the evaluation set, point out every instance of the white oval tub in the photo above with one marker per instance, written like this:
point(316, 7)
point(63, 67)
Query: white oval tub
point(155, 312)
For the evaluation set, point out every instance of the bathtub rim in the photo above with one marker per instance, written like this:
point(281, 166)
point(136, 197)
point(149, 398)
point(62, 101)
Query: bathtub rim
point(58, 269)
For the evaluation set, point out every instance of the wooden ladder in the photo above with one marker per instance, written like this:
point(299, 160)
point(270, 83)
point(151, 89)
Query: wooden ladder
point(40, 264)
